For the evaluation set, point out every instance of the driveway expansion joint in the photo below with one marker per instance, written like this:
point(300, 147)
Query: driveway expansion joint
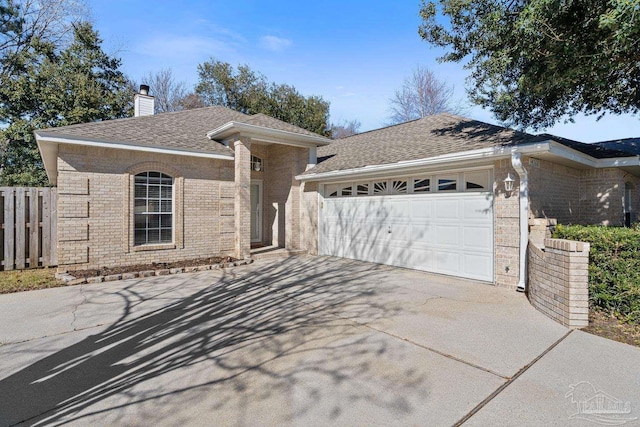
point(510, 380)
point(77, 306)
point(448, 356)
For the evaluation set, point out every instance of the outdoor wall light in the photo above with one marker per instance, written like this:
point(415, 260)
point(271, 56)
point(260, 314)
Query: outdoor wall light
point(508, 183)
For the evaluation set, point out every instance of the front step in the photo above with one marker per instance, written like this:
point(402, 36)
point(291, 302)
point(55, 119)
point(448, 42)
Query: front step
point(271, 253)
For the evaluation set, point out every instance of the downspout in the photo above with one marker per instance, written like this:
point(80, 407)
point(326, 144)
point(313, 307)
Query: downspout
point(516, 162)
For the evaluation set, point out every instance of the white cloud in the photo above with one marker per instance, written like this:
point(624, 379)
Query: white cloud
point(182, 47)
point(274, 43)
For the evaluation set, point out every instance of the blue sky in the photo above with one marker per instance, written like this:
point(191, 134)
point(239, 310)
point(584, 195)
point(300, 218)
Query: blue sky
point(354, 54)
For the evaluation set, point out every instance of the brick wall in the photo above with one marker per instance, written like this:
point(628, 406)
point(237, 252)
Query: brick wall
point(602, 196)
point(558, 280)
point(95, 207)
point(282, 193)
point(579, 196)
point(309, 217)
point(506, 213)
point(553, 190)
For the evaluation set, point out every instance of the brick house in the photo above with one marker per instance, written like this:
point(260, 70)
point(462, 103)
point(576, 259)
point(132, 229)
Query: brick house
point(443, 194)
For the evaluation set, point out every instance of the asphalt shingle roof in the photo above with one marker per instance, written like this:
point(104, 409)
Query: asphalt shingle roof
point(443, 134)
point(595, 150)
point(418, 139)
point(269, 122)
point(182, 130)
point(631, 146)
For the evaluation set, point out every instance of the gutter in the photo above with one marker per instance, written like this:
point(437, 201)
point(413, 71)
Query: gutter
point(523, 191)
point(479, 156)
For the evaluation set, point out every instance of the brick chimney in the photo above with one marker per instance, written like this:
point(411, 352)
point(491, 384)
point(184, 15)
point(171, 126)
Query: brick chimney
point(144, 104)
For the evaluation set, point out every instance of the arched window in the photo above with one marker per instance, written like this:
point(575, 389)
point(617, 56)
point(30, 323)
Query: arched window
point(153, 208)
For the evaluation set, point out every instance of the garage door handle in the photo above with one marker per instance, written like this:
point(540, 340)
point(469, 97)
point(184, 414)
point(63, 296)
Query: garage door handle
point(389, 230)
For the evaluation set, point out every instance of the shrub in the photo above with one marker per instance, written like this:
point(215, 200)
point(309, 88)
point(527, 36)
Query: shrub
point(614, 267)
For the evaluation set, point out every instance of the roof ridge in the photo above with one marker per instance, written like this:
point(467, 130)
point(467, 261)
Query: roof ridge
point(146, 117)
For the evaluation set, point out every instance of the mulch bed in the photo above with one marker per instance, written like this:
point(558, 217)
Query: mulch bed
point(607, 326)
point(109, 271)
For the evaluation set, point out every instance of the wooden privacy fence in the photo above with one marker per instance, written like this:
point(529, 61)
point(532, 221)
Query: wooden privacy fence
point(29, 227)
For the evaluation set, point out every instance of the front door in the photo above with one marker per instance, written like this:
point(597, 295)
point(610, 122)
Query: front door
point(256, 211)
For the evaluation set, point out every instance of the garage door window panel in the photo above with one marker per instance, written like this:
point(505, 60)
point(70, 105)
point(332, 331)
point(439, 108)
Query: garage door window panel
point(332, 190)
point(399, 187)
point(380, 187)
point(448, 183)
point(476, 181)
point(346, 190)
point(421, 185)
point(362, 189)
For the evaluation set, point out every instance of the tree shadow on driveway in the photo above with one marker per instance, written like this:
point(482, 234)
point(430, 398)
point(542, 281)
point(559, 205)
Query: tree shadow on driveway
point(236, 323)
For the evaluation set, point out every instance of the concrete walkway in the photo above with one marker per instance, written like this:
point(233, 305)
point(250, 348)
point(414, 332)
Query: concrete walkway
point(306, 341)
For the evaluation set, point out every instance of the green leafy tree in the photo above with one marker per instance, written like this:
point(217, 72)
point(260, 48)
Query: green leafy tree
point(23, 21)
point(250, 92)
point(535, 62)
point(56, 87)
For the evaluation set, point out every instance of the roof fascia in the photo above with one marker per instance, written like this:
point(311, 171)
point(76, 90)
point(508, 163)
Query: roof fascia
point(475, 156)
point(55, 138)
point(264, 134)
point(454, 159)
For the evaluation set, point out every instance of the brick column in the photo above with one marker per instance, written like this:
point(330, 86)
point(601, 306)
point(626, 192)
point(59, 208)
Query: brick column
point(242, 208)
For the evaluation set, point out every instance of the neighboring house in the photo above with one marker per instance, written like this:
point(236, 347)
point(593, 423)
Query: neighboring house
point(430, 194)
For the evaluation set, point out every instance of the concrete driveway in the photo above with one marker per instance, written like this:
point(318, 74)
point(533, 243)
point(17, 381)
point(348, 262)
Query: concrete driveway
point(305, 341)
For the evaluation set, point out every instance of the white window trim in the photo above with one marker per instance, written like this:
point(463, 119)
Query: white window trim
point(157, 245)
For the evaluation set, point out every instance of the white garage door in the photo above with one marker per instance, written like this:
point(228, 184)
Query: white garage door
point(447, 233)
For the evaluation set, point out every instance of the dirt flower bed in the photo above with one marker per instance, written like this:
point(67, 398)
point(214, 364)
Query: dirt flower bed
point(109, 271)
point(610, 327)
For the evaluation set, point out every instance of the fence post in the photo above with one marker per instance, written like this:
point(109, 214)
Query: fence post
point(46, 227)
point(9, 230)
point(21, 228)
point(54, 226)
point(34, 226)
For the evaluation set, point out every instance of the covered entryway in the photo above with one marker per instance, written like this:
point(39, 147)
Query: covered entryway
point(442, 232)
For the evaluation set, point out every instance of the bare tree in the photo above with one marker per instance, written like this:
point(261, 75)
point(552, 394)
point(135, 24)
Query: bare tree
point(344, 129)
point(167, 91)
point(23, 21)
point(421, 95)
point(191, 100)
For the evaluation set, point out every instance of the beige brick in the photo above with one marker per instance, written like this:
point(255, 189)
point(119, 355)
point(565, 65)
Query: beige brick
point(558, 278)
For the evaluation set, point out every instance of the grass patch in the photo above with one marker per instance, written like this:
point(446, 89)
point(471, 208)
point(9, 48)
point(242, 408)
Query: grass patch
point(28, 280)
point(611, 327)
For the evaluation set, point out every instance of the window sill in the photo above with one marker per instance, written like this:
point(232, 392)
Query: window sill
point(154, 247)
